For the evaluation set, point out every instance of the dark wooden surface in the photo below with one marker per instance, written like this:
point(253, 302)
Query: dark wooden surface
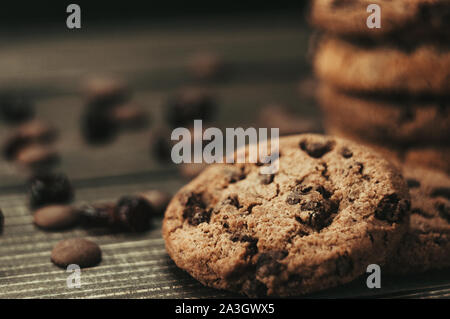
point(267, 59)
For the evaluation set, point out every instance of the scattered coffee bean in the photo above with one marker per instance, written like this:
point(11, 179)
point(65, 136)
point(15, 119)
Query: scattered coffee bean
point(15, 107)
point(2, 221)
point(106, 92)
point(158, 199)
point(190, 104)
point(55, 217)
point(133, 213)
point(206, 66)
point(97, 215)
point(98, 126)
point(78, 251)
point(37, 157)
point(130, 116)
point(161, 144)
point(50, 189)
point(130, 214)
point(34, 132)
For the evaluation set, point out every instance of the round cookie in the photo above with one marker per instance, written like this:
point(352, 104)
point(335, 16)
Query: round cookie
point(347, 66)
point(332, 208)
point(349, 17)
point(427, 243)
point(399, 121)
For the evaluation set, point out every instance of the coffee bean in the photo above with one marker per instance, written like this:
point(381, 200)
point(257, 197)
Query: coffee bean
point(133, 213)
point(50, 189)
point(98, 125)
point(188, 105)
point(97, 215)
point(78, 251)
point(15, 107)
point(37, 157)
point(54, 217)
point(34, 132)
point(158, 199)
point(106, 92)
point(2, 221)
point(161, 144)
point(206, 66)
point(129, 116)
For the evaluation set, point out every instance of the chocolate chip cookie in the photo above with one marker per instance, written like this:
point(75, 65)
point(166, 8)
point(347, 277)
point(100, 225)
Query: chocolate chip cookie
point(350, 66)
point(427, 243)
point(331, 209)
point(399, 17)
point(400, 120)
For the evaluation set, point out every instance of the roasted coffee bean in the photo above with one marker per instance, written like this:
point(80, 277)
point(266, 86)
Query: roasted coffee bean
point(37, 157)
point(133, 213)
point(2, 221)
point(50, 189)
point(78, 251)
point(15, 108)
point(106, 92)
point(206, 66)
point(161, 144)
point(98, 126)
point(129, 116)
point(34, 132)
point(55, 217)
point(188, 105)
point(97, 215)
point(158, 199)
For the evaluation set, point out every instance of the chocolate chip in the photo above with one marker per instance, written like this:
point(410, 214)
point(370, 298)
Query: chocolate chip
point(15, 107)
point(267, 263)
point(293, 198)
point(441, 192)
point(133, 213)
point(50, 189)
point(266, 179)
point(316, 149)
point(344, 266)
point(391, 208)
point(233, 201)
point(54, 217)
point(235, 174)
point(412, 183)
point(78, 251)
point(195, 211)
point(318, 217)
point(346, 152)
point(253, 288)
point(444, 210)
point(252, 248)
point(158, 199)
point(322, 191)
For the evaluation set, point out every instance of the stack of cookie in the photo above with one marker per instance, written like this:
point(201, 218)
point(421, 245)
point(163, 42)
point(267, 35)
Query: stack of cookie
point(387, 87)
